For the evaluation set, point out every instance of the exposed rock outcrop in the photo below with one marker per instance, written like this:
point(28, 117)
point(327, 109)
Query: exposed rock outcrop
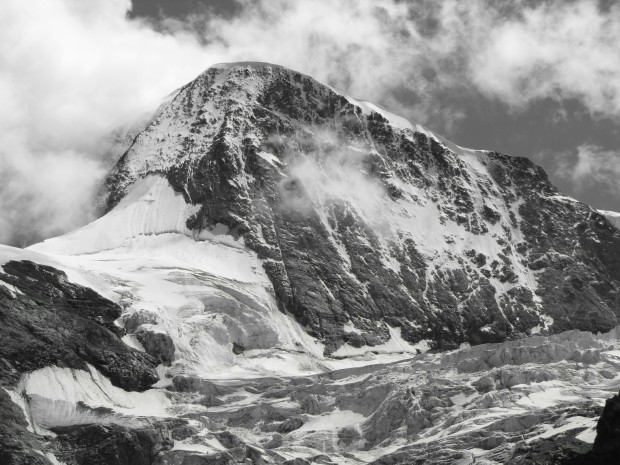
point(47, 320)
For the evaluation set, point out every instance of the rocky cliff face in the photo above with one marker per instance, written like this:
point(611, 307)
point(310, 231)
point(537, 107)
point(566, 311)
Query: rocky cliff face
point(363, 220)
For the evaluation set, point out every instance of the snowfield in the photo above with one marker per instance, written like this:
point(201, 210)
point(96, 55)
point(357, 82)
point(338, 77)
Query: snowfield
point(207, 292)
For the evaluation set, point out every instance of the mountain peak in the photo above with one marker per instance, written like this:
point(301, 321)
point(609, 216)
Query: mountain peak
point(247, 64)
point(364, 223)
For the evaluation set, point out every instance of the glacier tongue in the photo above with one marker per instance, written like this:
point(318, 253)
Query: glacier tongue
point(496, 403)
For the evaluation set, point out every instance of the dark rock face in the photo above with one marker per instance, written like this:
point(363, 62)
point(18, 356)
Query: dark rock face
point(159, 345)
point(606, 448)
point(17, 444)
point(47, 320)
point(51, 321)
point(275, 156)
point(607, 442)
point(104, 445)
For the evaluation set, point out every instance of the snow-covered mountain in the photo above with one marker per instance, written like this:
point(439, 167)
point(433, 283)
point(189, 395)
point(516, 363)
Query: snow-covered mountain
point(361, 220)
point(276, 261)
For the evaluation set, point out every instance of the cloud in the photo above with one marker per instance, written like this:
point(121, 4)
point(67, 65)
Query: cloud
point(336, 172)
point(380, 50)
point(590, 166)
point(70, 71)
point(556, 50)
point(42, 195)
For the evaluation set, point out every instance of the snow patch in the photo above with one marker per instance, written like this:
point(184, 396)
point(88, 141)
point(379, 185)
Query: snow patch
point(64, 396)
point(12, 289)
point(332, 421)
point(613, 217)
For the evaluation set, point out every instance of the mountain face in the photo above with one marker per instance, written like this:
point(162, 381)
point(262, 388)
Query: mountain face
point(275, 265)
point(363, 221)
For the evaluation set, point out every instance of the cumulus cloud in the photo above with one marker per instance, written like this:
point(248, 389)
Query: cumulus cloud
point(72, 70)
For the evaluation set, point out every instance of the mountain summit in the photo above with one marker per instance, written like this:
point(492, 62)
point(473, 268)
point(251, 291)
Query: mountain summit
point(364, 223)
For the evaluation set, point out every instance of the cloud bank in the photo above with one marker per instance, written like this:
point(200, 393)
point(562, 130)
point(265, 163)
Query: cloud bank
point(70, 71)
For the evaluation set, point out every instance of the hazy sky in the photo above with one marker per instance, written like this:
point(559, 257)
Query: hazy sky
point(534, 78)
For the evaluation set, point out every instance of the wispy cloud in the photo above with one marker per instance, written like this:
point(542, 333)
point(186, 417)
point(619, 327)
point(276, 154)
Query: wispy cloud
point(555, 49)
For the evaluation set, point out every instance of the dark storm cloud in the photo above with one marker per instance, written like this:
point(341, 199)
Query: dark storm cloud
point(505, 75)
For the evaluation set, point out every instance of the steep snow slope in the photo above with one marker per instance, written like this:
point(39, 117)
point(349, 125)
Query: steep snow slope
point(151, 207)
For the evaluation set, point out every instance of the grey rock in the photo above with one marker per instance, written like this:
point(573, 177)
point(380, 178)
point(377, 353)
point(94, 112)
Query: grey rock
point(290, 424)
point(156, 343)
point(182, 457)
point(348, 434)
point(275, 442)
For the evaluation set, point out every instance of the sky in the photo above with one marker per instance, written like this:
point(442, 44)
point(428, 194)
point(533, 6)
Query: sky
point(539, 79)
